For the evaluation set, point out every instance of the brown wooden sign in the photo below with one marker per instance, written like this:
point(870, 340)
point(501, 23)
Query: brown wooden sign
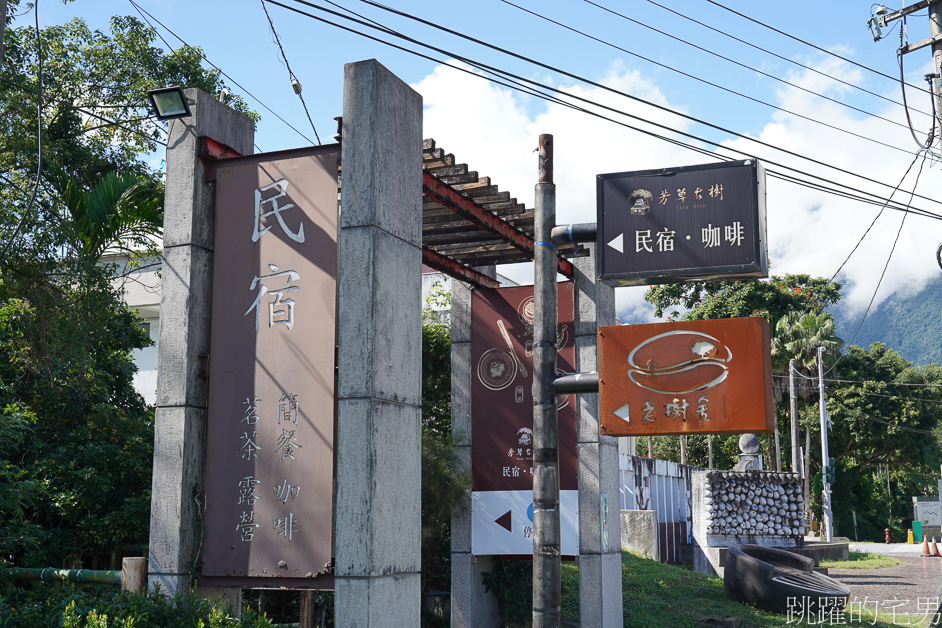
point(691, 377)
point(269, 445)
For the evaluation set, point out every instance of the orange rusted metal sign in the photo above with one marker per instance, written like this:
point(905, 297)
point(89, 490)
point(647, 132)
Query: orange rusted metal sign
point(691, 377)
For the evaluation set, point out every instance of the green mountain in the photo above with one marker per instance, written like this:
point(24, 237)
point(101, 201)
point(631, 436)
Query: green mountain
point(912, 326)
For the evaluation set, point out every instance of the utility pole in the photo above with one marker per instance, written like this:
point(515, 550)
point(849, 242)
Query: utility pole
point(935, 34)
point(546, 534)
point(883, 17)
point(825, 461)
point(793, 405)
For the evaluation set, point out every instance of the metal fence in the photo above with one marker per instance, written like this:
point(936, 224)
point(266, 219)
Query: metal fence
point(662, 486)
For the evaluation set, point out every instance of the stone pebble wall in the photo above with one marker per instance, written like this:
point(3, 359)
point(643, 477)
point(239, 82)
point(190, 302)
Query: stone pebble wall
point(754, 502)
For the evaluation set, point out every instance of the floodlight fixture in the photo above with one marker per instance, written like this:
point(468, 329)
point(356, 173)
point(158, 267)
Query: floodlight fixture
point(882, 10)
point(169, 102)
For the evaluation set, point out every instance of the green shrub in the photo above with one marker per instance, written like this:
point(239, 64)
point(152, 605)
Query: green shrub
point(52, 605)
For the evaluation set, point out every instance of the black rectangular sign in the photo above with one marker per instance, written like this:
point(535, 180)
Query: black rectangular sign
point(682, 224)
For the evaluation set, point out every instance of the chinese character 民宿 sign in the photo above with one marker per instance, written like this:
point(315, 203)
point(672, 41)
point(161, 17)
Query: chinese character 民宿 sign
point(682, 224)
point(502, 421)
point(269, 442)
point(690, 377)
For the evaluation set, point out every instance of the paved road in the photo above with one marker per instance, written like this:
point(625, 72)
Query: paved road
point(912, 588)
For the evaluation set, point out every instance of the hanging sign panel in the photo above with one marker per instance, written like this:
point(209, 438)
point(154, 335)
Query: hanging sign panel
point(502, 421)
point(682, 224)
point(690, 377)
point(269, 442)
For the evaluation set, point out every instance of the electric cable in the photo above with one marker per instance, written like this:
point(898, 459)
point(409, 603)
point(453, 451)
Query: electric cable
point(902, 84)
point(860, 240)
point(706, 82)
point(778, 56)
point(89, 113)
point(39, 135)
point(217, 68)
point(899, 427)
point(294, 79)
point(743, 65)
point(895, 206)
point(866, 393)
point(609, 89)
point(807, 43)
point(882, 274)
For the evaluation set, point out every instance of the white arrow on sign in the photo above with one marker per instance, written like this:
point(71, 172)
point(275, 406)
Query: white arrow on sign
point(618, 243)
point(622, 413)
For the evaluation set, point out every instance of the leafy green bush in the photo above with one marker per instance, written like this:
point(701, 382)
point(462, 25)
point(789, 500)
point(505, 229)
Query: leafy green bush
point(512, 583)
point(44, 605)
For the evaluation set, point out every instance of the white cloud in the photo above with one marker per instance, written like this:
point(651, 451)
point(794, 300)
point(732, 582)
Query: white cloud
point(494, 130)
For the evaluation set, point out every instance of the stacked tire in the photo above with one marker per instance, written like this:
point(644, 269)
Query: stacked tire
point(779, 581)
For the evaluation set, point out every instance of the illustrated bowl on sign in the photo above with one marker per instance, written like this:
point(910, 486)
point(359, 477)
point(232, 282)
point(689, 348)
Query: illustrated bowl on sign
point(497, 369)
point(679, 362)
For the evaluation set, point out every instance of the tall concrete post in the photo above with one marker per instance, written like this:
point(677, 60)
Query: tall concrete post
point(185, 313)
point(471, 605)
point(379, 392)
point(600, 592)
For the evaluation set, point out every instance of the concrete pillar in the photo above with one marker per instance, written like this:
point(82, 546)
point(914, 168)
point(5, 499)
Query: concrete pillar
point(185, 312)
point(379, 395)
point(471, 606)
point(600, 593)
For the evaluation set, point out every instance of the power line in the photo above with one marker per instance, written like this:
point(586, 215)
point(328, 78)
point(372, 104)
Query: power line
point(217, 68)
point(872, 394)
point(887, 265)
point(871, 381)
point(825, 180)
point(743, 65)
point(108, 121)
point(899, 427)
point(778, 56)
point(295, 83)
point(704, 81)
point(818, 48)
point(609, 89)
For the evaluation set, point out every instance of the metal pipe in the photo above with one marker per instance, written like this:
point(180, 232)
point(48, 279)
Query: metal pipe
point(793, 408)
point(546, 533)
point(825, 463)
point(576, 383)
point(49, 574)
point(575, 233)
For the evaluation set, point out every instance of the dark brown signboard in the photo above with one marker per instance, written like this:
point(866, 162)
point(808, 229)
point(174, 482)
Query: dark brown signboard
point(501, 389)
point(269, 444)
point(691, 377)
point(682, 224)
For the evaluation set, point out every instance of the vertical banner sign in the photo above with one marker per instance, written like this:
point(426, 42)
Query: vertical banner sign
point(681, 224)
point(269, 445)
point(690, 377)
point(502, 422)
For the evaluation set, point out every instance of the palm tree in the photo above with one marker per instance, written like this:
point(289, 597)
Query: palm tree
point(798, 337)
point(119, 213)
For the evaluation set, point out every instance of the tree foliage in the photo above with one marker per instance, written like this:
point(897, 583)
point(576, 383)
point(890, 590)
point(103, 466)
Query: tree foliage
point(885, 413)
point(75, 437)
point(771, 299)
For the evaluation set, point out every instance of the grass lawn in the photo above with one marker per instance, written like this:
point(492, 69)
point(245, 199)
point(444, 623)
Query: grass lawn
point(862, 560)
point(655, 594)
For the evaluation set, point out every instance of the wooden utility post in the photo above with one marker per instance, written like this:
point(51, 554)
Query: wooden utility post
point(546, 535)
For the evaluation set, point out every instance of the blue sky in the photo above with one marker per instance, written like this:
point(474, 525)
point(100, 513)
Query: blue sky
point(494, 128)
